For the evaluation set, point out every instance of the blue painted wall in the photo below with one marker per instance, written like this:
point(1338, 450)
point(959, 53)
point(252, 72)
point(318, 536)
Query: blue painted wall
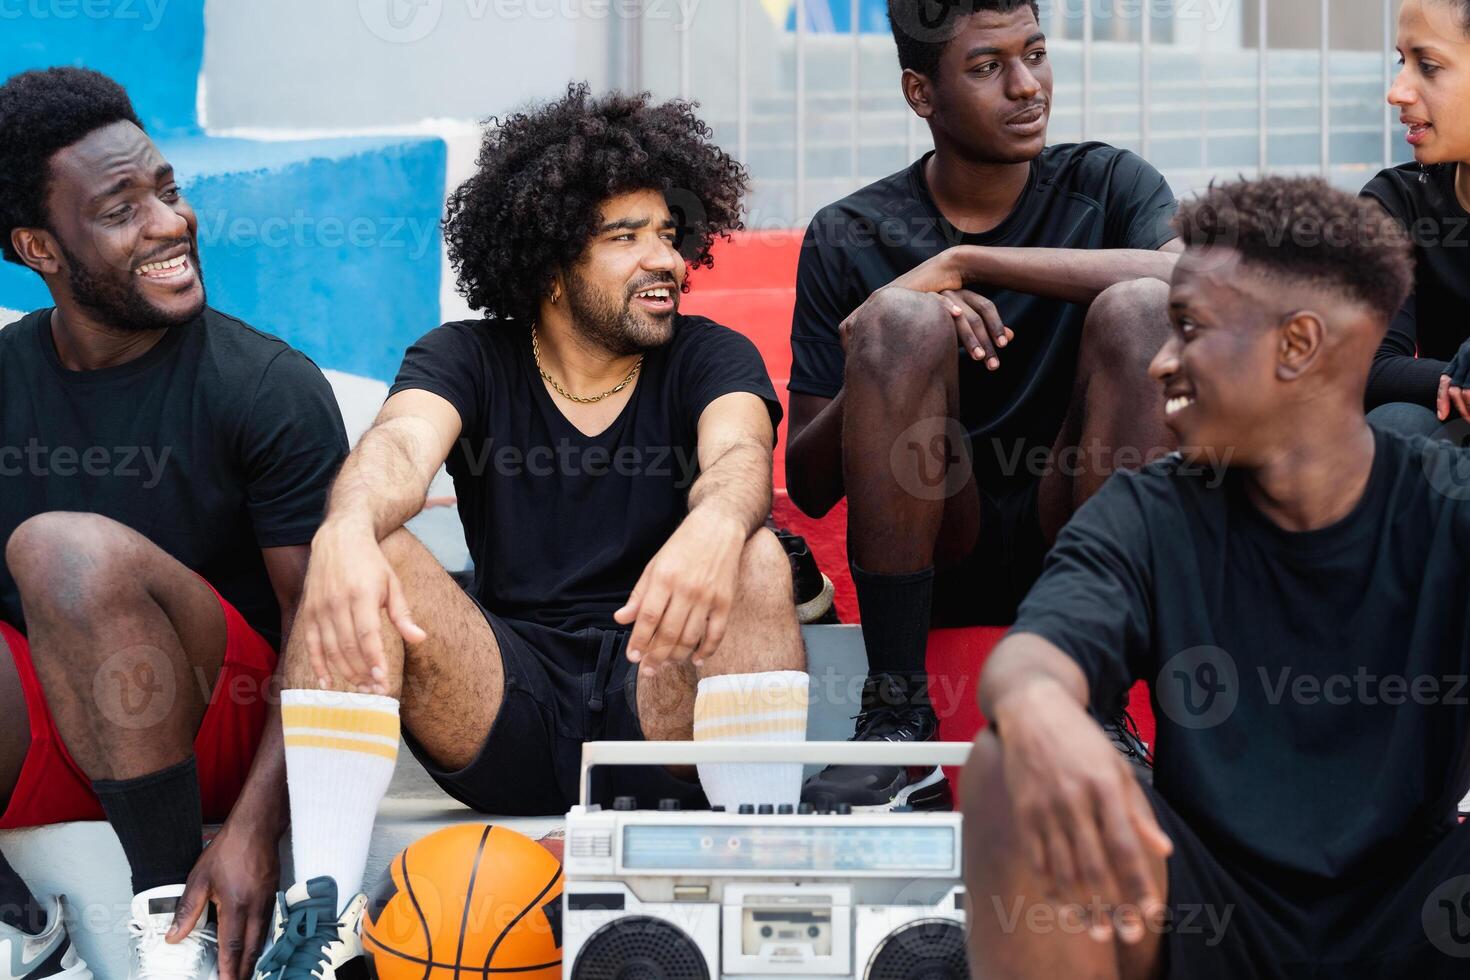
point(333, 245)
point(155, 48)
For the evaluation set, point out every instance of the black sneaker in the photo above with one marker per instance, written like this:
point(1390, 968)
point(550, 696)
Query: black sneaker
point(1123, 730)
point(815, 594)
point(890, 713)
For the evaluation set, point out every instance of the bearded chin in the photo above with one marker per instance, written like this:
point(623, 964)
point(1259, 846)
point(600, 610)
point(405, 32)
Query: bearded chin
point(120, 305)
point(610, 327)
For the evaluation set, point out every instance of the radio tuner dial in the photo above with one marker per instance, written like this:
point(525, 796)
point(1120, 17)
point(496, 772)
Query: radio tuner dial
point(746, 808)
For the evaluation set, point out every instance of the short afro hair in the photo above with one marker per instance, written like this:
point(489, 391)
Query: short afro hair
point(41, 113)
point(1303, 228)
point(531, 209)
point(922, 28)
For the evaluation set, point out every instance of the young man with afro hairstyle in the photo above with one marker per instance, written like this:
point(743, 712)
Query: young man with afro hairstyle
point(163, 467)
point(1301, 616)
point(612, 460)
point(969, 348)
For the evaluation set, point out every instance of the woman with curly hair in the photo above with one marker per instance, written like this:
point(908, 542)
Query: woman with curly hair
point(612, 460)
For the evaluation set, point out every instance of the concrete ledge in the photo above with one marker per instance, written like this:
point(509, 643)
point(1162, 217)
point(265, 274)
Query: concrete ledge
point(332, 245)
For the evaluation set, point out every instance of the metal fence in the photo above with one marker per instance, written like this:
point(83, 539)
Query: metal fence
point(806, 92)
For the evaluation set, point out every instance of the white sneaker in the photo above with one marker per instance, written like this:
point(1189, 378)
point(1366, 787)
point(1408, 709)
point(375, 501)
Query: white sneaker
point(195, 957)
point(310, 940)
point(49, 956)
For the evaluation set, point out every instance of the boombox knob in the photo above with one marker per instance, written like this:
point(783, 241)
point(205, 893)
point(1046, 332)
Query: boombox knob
point(785, 808)
point(625, 803)
point(843, 809)
point(766, 808)
point(668, 805)
point(806, 808)
point(747, 808)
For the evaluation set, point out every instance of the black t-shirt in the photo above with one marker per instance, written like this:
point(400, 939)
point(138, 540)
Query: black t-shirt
point(1086, 195)
point(561, 525)
point(218, 442)
point(1283, 665)
point(1436, 319)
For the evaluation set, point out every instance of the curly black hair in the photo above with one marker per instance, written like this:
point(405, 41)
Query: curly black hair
point(42, 112)
point(531, 208)
point(922, 28)
point(1303, 228)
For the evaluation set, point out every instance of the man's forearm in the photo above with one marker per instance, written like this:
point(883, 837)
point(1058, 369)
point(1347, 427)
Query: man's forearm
point(1077, 275)
point(814, 477)
point(1025, 660)
point(737, 485)
point(381, 485)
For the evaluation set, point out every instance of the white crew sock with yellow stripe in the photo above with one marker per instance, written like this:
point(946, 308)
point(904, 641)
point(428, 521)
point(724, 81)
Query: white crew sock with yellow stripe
point(340, 753)
point(765, 707)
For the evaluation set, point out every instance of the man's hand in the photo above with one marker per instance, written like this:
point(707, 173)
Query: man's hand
point(976, 320)
point(348, 585)
point(681, 605)
point(238, 872)
point(1454, 386)
point(1087, 826)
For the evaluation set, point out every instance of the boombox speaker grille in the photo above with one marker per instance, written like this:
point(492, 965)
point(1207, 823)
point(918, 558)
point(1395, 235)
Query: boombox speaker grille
point(933, 949)
point(640, 948)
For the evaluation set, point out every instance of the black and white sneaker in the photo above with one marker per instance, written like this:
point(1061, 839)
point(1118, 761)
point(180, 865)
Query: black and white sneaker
point(1127, 739)
point(890, 713)
point(47, 956)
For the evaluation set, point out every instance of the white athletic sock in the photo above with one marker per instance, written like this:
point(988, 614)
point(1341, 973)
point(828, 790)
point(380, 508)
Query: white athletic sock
point(766, 707)
point(340, 752)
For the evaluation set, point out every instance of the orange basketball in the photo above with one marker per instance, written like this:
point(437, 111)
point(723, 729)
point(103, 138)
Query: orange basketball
point(473, 900)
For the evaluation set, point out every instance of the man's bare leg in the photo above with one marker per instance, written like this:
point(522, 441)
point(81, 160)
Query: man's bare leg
point(15, 734)
point(342, 745)
point(18, 906)
point(1116, 416)
point(450, 686)
point(763, 635)
point(128, 645)
point(1015, 931)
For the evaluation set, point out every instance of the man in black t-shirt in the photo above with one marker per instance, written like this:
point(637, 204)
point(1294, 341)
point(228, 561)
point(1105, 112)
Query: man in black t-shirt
point(612, 462)
point(163, 467)
point(1301, 617)
point(969, 407)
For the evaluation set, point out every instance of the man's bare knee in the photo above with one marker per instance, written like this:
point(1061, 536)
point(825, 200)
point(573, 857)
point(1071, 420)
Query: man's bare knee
point(900, 336)
point(405, 552)
point(76, 562)
point(1125, 327)
point(986, 802)
point(765, 570)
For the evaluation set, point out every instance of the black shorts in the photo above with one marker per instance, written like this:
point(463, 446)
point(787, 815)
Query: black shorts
point(561, 689)
point(1410, 917)
point(986, 588)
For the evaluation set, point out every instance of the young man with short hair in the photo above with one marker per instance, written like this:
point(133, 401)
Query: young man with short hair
point(1301, 616)
point(970, 348)
point(612, 460)
point(163, 467)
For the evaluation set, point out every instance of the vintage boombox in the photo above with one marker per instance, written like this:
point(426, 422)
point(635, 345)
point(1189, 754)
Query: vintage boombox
point(664, 894)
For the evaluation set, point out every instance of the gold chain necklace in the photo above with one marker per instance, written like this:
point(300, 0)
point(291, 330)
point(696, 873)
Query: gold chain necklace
point(536, 353)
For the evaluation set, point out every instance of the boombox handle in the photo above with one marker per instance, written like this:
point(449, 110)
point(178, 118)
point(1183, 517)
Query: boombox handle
point(828, 753)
